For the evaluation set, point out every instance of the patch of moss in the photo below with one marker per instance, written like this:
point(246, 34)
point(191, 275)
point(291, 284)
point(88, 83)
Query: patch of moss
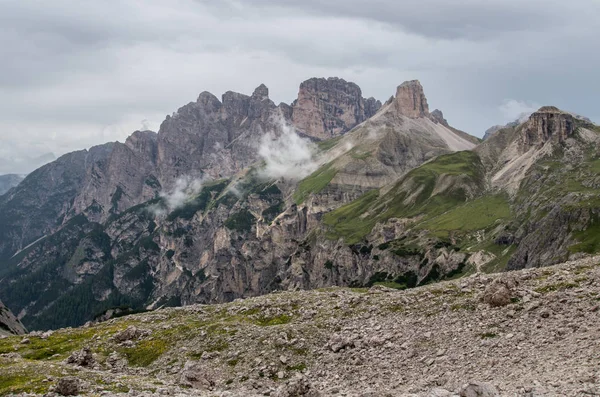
point(555, 287)
point(145, 352)
point(297, 367)
point(275, 320)
point(22, 381)
point(56, 347)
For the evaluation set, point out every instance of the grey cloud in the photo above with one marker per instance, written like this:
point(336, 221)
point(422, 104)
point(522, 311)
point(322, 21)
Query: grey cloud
point(474, 19)
point(80, 73)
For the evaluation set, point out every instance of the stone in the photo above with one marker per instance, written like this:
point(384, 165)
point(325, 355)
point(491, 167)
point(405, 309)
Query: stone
point(68, 386)
point(83, 358)
point(479, 389)
point(299, 386)
point(131, 333)
point(498, 293)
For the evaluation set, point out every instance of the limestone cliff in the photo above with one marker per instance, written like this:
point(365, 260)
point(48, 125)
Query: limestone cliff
point(326, 108)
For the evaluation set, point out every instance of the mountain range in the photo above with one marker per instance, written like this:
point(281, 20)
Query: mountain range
point(238, 197)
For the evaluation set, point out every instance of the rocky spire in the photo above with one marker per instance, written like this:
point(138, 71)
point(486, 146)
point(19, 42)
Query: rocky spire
point(261, 92)
point(548, 124)
point(410, 100)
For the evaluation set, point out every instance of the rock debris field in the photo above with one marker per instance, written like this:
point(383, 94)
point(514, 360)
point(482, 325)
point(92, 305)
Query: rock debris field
point(533, 332)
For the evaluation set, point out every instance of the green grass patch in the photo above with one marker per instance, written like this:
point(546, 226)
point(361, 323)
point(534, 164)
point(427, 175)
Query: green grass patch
point(21, 381)
point(275, 320)
point(415, 194)
point(358, 155)
point(56, 347)
point(475, 215)
point(145, 352)
point(328, 144)
point(589, 239)
point(347, 221)
point(297, 367)
point(314, 183)
point(555, 287)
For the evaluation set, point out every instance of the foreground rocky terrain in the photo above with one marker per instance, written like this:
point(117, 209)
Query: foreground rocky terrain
point(530, 332)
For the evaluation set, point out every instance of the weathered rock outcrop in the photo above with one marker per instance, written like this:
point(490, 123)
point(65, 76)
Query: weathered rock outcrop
point(548, 124)
point(326, 108)
point(9, 324)
point(410, 100)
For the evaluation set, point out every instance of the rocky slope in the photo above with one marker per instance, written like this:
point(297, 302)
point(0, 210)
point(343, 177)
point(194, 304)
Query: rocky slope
point(9, 181)
point(527, 333)
point(9, 324)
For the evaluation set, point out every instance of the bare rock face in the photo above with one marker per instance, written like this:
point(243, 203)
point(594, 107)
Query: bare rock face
point(215, 137)
point(548, 124)
point(410, 100)
point(438, 117)
point(372, 106)
point(9, 324)
point(326, 108)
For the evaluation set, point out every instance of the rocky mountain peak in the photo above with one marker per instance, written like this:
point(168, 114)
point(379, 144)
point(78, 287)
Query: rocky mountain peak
point(410, 100)
point(438, 117)
point(261, 92)
point(326, 108)
point(548, 124)
point(208, 101)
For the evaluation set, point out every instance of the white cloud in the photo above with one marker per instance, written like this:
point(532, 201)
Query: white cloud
point(185, 188)
point(513, 109)
point(286, 154)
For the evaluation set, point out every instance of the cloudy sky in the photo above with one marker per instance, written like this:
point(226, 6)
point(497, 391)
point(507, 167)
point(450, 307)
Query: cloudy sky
point(76, 73)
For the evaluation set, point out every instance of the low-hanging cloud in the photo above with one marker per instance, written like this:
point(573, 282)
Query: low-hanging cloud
point(513, 109)
point(287, 155)
point(186, 188)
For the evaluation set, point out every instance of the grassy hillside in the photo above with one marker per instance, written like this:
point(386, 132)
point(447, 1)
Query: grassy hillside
point(428, 190)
